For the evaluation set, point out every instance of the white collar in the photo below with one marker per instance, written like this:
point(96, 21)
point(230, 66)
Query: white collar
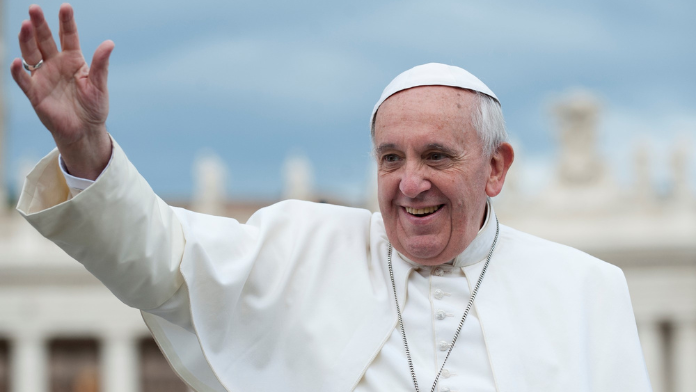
point(478, 248)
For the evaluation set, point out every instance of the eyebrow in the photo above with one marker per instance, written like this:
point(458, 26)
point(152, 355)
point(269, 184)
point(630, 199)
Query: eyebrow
point(384, 147)
point(432, 146)
point(440, 147)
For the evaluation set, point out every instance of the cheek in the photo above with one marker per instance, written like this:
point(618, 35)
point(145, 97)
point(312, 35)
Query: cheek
point(464, 192)
point(455, 186)
point(387, 186)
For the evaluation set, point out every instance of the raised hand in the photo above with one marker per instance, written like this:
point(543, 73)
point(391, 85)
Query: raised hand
point(70, 97)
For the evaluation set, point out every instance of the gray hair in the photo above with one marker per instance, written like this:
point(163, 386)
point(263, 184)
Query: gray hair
point(488, 121)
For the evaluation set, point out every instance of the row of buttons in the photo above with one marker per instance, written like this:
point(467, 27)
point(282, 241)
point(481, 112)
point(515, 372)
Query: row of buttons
point(441, 315)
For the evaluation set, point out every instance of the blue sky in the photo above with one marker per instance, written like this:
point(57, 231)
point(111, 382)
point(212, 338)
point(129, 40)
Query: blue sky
point(255, 81)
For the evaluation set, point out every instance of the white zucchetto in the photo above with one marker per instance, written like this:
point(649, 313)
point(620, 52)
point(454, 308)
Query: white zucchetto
point(432, 74)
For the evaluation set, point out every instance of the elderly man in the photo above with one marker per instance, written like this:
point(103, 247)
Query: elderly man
point(432, 293)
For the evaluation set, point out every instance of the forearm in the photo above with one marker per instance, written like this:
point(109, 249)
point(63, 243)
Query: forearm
point(118, 228)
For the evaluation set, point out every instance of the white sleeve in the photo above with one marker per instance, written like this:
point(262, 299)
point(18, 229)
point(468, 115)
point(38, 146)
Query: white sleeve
point(77, 184)
point(118, 228)
point(132, 241)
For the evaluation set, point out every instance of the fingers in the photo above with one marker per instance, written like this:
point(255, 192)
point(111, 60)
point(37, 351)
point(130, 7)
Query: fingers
point(42, 33)
point(99, 69)
point(22, 78)
point(68, 29)
point(27, 44)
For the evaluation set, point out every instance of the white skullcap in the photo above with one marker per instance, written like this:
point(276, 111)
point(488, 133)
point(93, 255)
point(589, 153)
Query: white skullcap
point(432, 74)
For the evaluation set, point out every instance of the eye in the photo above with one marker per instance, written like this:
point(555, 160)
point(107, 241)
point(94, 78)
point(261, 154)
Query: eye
point(436, 156)
point(390, 158)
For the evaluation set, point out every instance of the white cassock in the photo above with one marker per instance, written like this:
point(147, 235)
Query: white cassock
point(299, 298)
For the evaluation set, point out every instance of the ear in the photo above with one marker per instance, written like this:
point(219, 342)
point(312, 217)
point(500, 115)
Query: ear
point(500, 162)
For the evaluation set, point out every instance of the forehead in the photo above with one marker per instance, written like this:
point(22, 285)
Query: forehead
point(427, 114)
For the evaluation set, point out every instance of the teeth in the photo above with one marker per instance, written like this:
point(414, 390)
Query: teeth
point(421, 211)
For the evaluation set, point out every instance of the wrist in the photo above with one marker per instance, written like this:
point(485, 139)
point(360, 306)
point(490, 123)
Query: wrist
point(88, 156)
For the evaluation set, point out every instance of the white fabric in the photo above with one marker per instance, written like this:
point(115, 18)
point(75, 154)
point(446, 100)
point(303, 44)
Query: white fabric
point(431, 293)
point(432, 74)
point(299, 297)
point(467, 369)
point(435, 300)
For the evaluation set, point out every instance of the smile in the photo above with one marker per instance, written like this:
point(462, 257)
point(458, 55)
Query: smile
point(422, 211)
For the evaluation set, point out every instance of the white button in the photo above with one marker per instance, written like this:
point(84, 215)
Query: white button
point(439, 294)
point(441, 314)
point(446, 373)
point(443, 346)
point(445, 389)
point(438, 272)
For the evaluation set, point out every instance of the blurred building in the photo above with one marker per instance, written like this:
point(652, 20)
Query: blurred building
point(61, 330)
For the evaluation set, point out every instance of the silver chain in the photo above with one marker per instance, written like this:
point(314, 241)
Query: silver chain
point(461, 323)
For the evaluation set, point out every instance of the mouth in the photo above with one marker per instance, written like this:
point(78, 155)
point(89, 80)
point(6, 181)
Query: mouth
point(421, 212)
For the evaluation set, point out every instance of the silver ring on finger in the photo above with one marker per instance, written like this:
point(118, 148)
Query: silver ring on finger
point(34, 67)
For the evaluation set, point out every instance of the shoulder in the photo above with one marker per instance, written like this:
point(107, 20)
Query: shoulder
point(288, 219)
point(527, 250)
point(304, 215)
point(312, 210)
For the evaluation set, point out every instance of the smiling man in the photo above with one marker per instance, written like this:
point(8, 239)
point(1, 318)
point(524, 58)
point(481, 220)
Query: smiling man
point(434, 171)
point(314, 297)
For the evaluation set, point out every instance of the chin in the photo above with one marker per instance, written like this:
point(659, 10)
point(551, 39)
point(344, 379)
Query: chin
point(425, 252)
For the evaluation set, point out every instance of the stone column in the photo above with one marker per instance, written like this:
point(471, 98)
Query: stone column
point(684, 356)
point(652, 341)
point(29, 362)
point(119, 364)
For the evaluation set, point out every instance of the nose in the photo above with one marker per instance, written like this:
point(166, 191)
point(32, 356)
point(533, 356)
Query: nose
point(413, 182)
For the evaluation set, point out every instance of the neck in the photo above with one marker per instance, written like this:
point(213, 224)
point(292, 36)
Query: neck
point(485, 214)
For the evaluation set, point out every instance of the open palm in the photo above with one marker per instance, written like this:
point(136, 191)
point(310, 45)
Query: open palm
point(69, 97)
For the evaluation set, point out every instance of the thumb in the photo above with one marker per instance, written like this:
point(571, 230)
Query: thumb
point(99, 70)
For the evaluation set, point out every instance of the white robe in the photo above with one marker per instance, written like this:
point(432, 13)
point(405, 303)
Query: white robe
point(435, 298)
point(299, 298)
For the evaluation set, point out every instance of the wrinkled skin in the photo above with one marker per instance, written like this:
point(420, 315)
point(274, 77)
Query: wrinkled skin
point(429, 154)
